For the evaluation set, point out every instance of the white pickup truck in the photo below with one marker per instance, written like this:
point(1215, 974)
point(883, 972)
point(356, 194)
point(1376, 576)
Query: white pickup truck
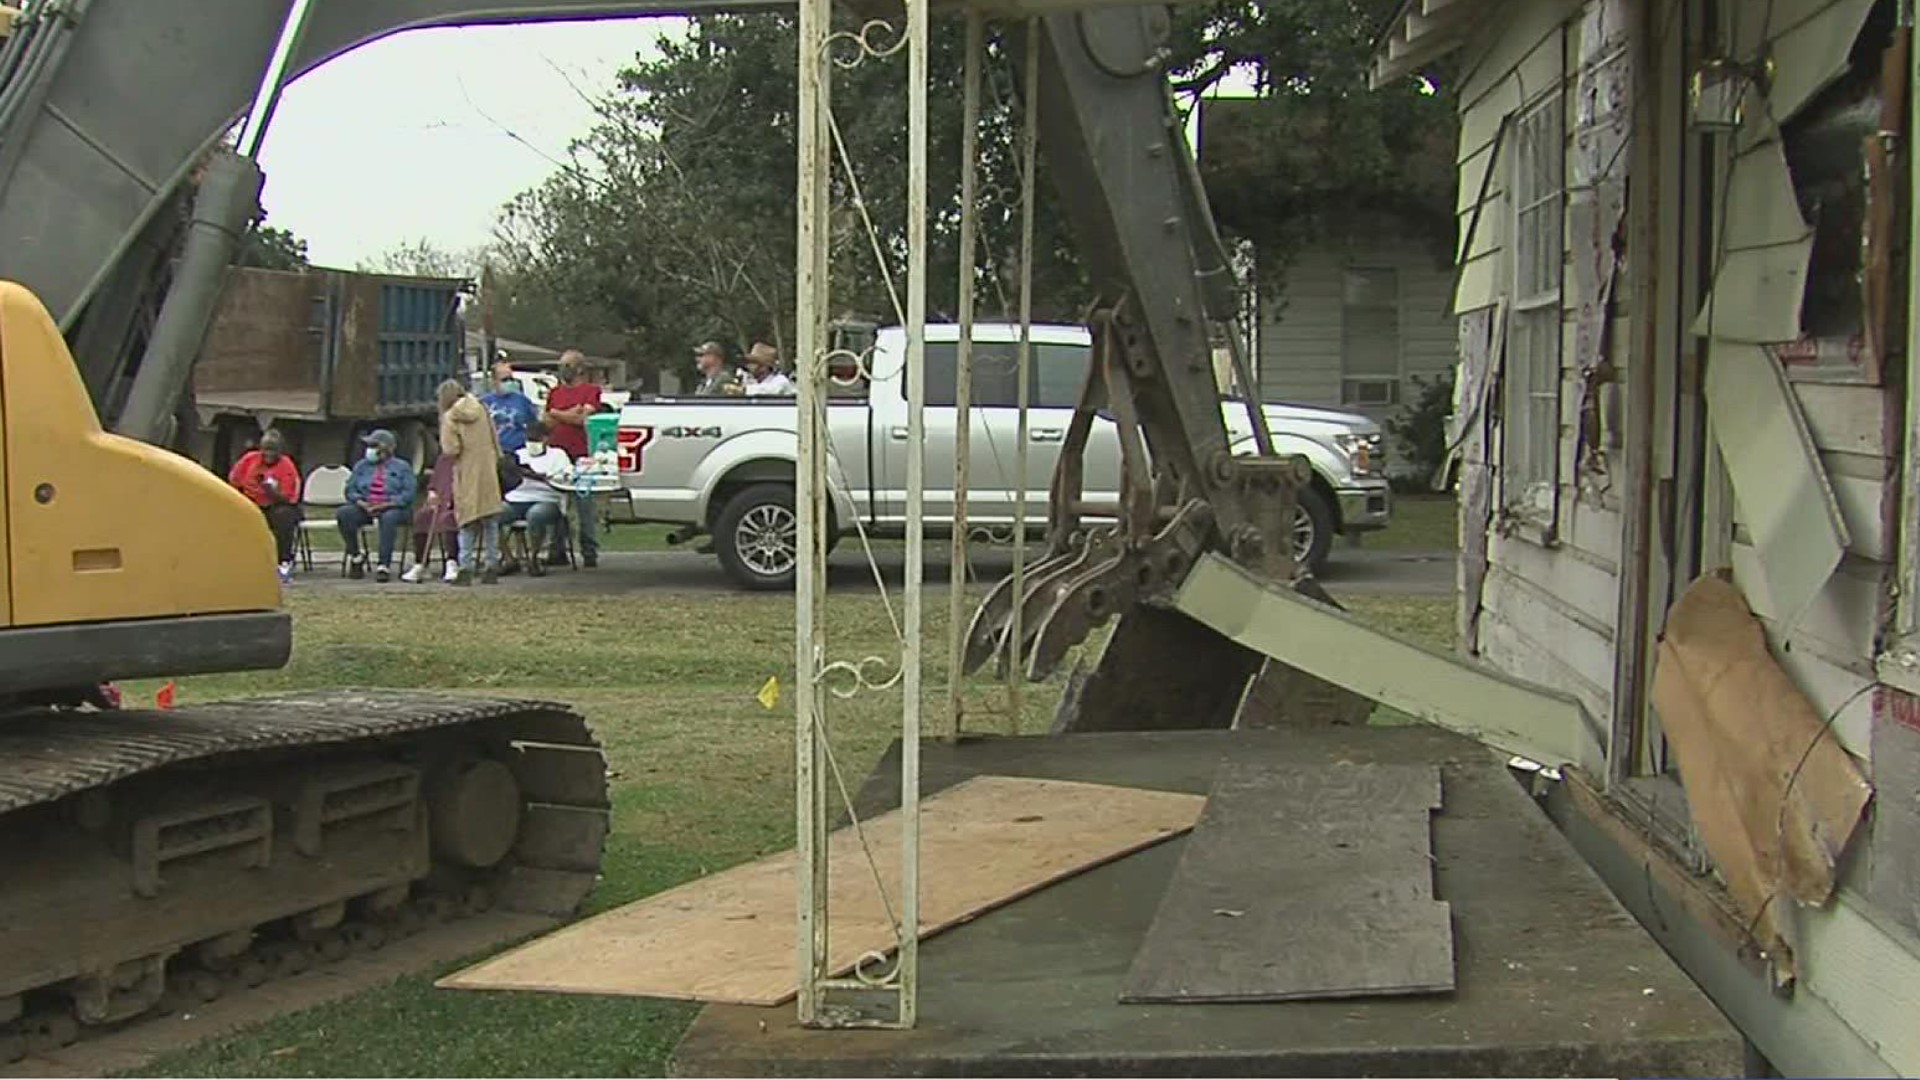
point(724, 466)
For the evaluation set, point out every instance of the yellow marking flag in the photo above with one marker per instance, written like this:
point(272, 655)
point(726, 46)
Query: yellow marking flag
point(769, 695)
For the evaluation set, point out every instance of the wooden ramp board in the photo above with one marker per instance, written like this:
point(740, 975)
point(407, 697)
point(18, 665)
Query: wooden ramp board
point(730, 937)
point(1302, 883)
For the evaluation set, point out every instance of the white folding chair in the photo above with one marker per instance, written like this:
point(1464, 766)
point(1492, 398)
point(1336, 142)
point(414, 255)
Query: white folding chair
point(325, 489)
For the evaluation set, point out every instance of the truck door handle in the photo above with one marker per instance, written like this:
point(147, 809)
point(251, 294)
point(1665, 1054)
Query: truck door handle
point(1047, 434)
point(897, 433)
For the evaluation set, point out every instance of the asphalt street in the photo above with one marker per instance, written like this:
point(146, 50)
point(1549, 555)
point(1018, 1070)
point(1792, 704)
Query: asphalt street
point(688, 572)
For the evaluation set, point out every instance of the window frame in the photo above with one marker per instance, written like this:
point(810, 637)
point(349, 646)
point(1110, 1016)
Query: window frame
point(1353, 383)
point(1533, 375)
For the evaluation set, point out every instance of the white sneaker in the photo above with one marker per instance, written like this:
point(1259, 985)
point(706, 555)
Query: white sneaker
point(286, 572)
point(453, 571)
point(414, 574)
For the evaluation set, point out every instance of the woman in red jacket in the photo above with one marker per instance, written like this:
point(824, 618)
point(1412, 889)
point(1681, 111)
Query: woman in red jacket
point(269, 478)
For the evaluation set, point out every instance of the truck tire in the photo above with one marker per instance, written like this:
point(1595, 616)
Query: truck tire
point(757, 537)
point(1312, 533)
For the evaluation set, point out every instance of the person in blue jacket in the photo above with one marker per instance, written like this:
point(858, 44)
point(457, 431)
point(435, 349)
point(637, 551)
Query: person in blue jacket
point(512, 410)
point(380, 493)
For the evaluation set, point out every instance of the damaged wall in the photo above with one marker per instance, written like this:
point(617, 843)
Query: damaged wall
point(1795, 386)
point(1791, 351)
point(1540, 602)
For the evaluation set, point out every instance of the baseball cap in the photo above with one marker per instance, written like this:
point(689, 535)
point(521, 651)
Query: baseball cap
point(380, 437)
point(710, 348)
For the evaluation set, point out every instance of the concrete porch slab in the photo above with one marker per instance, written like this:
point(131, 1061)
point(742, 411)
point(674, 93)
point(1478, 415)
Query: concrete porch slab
point(1554, 977)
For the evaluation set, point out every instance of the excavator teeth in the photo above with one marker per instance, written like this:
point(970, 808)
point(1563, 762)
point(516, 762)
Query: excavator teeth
point(987, 631)
point(983, 633)
point(1083, 602)
point(1045, 588)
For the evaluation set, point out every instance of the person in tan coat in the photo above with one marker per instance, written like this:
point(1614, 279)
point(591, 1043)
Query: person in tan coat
point(467, 436)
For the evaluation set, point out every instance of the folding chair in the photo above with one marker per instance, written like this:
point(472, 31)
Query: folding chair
point(325, 489)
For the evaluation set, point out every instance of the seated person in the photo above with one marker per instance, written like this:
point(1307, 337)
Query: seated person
point(535, 500)
point(269, 479)
point(380, 493)
point(433, 520)
point(764, 377)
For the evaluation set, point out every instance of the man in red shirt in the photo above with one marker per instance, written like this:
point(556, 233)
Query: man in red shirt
point(568, 406)
point(271, 481)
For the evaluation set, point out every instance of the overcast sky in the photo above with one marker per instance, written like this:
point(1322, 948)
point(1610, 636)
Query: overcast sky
point(427, 133)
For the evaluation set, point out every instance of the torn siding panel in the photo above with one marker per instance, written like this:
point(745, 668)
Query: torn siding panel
point(1765, 247)
point(1810, 55)
point(1841, 622)
point(1782, 490)
point(1756, 295)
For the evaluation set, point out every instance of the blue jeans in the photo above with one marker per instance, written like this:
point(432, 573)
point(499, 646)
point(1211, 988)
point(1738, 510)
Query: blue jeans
point(352, 519)
point(589, 529)
point(480, 537)
point(539, 516)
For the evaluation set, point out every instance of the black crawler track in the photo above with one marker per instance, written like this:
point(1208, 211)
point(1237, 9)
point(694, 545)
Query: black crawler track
point(155, 858)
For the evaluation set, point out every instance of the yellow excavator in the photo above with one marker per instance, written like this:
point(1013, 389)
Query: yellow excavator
point(185, 851)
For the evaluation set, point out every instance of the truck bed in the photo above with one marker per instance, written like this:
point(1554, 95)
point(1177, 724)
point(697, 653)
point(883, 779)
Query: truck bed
point(299, 403)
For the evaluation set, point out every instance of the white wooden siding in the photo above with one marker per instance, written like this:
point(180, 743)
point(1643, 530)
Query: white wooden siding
point(1300, 333)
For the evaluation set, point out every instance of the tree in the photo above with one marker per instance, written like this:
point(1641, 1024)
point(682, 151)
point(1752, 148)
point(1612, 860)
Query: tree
point(1319, 150)
point(424, 258)
point(675, 220)
point(268, 248)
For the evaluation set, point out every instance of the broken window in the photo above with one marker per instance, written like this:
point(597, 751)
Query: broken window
point(1826, 154)
point(1532, 399)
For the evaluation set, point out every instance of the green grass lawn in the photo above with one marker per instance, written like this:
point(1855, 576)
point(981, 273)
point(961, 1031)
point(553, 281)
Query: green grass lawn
point(701, 779)
point(1419, 523)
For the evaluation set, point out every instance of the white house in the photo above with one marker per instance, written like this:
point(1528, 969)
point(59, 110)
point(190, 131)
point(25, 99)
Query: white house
point(1685, 349)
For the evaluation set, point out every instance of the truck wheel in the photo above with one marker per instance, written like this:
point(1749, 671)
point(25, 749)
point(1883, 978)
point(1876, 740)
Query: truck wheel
point(757, 537)
point(1312, 533)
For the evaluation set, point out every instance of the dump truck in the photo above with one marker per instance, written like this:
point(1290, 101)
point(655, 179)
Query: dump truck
point(325, 356)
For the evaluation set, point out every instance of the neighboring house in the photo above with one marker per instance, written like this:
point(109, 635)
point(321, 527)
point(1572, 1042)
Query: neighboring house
point(1354, 321)
point(1686, 348)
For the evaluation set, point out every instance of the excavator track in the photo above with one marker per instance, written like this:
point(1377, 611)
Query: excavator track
point(158, 858)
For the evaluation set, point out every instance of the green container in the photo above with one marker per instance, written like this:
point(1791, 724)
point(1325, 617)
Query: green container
point(603, 432)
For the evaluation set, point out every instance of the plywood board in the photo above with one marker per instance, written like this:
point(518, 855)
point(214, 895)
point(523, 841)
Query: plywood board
point(1303, 883)
point(729, 937)
point(1775, 797)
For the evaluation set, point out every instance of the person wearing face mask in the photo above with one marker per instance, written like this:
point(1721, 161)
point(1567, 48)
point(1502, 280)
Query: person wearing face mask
point(270, 480)
point(536, 500)
point(380, 493)
point(509, 407)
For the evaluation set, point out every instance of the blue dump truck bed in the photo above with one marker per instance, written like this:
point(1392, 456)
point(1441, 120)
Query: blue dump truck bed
point(329, 344)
